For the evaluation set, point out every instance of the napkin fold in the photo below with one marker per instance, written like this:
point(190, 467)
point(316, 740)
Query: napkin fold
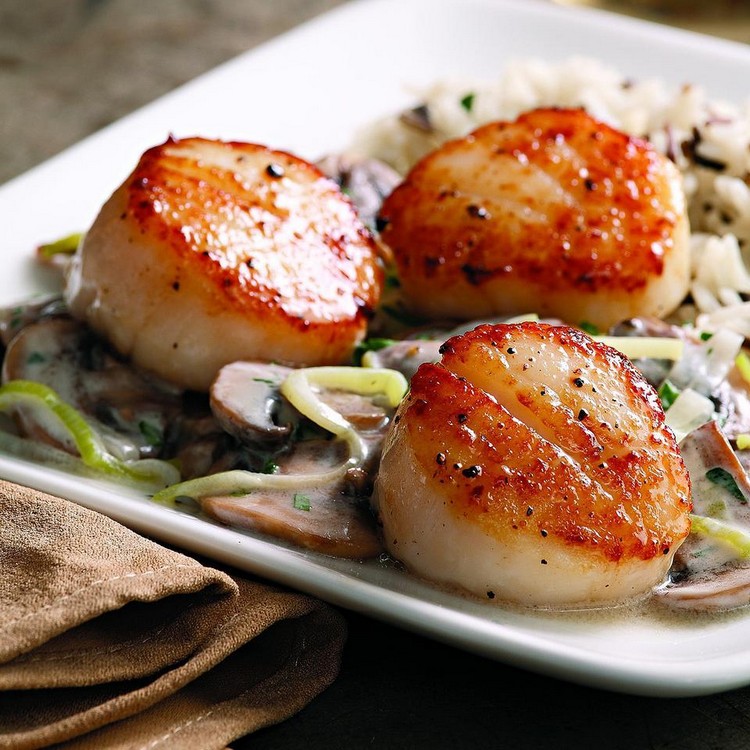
point(108, 639)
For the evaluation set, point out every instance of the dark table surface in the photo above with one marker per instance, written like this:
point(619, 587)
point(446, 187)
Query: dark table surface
point(61, 64)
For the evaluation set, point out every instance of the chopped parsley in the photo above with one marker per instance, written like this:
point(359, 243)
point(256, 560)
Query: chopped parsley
point(589, 328)
point(152, 434)
point(724, 479)
point(467, 102)
point(270, 467)
point(668, 393)
point(301, 502)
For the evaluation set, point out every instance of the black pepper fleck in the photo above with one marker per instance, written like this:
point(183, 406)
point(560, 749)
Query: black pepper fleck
point(477, 212)
point(582, 414)
point(490, 594)
point(440, 458)
point(543, 532)
point(578, 382)
point(544, 562)
point(461, 418)
point(470, 472)
point(529, 510)
point(381, 222)
point(275, 170)
point(511, 350)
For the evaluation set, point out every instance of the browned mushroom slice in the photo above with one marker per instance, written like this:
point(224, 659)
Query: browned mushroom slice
point(708, 574)
point(732, 399)
point(131, 410)
point(321, 519)
point(365, 181)
point(331, 518)
point(709, 456)
point(245, 400)
point(13, 319)
point(726, 588)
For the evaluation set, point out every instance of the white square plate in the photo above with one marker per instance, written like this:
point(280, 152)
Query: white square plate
point(307, 92)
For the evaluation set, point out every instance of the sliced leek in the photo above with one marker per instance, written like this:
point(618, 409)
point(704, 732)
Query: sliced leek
point(64, 246)
point(645, 347)
point(149, 474)
point(742, 363)
point(729, 535)
point(300, 388)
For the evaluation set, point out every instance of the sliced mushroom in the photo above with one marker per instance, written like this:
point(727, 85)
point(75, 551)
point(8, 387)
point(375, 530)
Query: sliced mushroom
point(366, 181)
point(707, 574)
point(131, 410)
point(322, 519)
point(245, 399)
point(333, 517)
point(732, 400)
point(360, 411)
point(13, 319)
point(649, 327)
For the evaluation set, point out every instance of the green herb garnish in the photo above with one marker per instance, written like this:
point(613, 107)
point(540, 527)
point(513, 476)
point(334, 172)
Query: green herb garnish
point(151, 433)
point(402, 316)
point(589, 328)
point(467, 102)
point(668, 393)
point(723, 478)
point(301, 502)
point(270, 467)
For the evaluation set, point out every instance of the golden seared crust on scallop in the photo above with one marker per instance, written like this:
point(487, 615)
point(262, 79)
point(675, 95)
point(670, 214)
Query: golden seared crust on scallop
point(534, 463)
point(212, 252)
point(555, 213)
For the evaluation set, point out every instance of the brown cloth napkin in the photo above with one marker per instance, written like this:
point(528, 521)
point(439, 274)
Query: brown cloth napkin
point(108, 640)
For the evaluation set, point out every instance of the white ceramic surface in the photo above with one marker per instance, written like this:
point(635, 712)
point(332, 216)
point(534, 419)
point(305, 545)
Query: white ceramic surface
point(306, 92)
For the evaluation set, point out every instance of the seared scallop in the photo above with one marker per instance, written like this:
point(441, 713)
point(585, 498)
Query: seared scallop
point(213, 252)
point(554, 213)
point(533, 465)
